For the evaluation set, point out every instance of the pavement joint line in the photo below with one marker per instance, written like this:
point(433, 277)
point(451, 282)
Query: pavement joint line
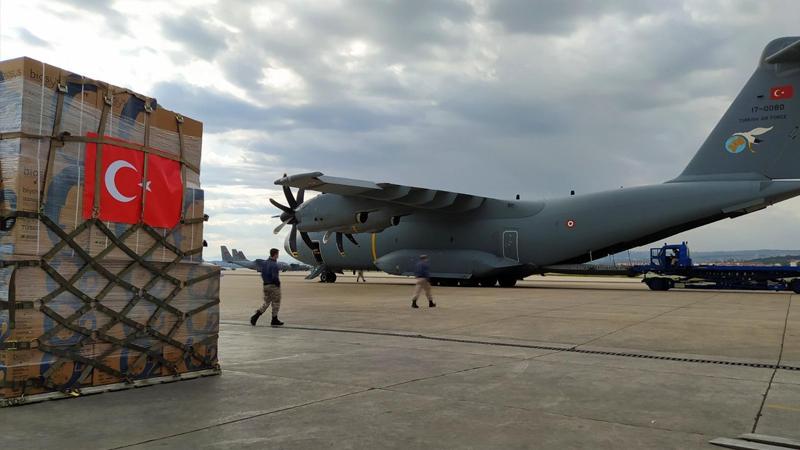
point(307, 380)
point(567, 349)
point(774, 371)
point(641, 322)
point(241, 419)
point(547, 413)
point(469, 369)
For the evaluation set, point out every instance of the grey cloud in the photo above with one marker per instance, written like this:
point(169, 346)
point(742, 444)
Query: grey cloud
point(222, 112)
point(501, 111)
point(562, 17)
point(115, 21)
point(194, 33)
point(31, 39)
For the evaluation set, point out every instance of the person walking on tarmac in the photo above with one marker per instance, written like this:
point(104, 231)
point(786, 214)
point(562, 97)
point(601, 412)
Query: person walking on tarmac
point(361, 276)
point(423, 275)
point(272, 289)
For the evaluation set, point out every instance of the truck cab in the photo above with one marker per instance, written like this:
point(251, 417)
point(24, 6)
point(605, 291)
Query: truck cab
point(670, 257)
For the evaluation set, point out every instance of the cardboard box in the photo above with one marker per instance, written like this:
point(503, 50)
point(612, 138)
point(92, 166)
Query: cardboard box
point(28, 92)
point(33, 372)
point(130, 321)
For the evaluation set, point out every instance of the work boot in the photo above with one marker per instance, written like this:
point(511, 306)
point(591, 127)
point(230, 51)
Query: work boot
point(254, 318)
point(414, 303)
point(431, 304)
point(276, 322)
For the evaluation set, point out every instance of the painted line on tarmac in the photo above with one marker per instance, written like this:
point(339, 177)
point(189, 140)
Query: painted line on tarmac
point(566, 349)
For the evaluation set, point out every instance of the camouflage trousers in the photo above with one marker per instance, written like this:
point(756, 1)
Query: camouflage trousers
point(423, 284)
point(272, 296)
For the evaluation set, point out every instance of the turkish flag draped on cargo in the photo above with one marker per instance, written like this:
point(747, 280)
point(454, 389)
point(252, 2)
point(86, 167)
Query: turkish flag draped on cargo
point(123, 188)
point(164, 200)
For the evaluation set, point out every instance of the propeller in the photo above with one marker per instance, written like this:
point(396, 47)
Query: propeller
point(339, 243)
point(289, 217)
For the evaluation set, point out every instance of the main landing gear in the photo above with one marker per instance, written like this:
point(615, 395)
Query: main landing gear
point(327, 277)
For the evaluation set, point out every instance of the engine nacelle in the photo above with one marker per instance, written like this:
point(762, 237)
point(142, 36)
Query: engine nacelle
point(378, 221)
point(331, 212)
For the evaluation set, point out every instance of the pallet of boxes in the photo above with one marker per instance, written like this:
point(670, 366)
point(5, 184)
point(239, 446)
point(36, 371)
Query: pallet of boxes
point(102, 284)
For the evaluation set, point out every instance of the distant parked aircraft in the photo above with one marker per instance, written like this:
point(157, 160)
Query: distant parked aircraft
point(239, 259)
point(224, 264)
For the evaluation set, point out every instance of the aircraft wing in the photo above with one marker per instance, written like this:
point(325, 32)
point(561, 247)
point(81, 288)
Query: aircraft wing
point(408, 196)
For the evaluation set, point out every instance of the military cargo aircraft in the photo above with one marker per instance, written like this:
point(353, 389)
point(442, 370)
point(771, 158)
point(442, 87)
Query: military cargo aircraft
point(750, 160)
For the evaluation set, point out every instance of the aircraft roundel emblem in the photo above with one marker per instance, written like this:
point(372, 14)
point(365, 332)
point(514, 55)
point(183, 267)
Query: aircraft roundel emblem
point(570, 223)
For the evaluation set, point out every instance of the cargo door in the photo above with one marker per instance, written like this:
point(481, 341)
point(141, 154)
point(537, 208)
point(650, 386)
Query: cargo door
point(510, 245)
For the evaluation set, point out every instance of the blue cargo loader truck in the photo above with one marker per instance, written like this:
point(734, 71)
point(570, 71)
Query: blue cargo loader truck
point(671, 266)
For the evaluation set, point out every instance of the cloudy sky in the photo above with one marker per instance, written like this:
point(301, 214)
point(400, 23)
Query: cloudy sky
point(479, 96)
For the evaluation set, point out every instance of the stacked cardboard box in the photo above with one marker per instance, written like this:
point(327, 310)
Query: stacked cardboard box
point(112, 302)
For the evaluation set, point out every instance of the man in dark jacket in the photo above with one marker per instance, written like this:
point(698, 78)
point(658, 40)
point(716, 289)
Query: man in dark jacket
point(272, 289)
point(423, 275)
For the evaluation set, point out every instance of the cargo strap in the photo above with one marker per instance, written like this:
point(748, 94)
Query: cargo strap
point(64, 138)
point(98, 155)
point(61, 90)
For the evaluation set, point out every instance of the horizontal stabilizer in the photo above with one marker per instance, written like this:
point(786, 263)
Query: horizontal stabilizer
point(788, 54)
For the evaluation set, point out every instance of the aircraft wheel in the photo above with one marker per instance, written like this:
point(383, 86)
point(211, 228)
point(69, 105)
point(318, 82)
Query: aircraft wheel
point(508, 282)
point(331, 277)
point(468, 283)
point(795, 286)
point(488, 282)
point(323, 277)
point(658, 284)
point(448, 282)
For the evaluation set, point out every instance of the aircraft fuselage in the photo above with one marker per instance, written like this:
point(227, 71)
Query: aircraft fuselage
point(517, 238)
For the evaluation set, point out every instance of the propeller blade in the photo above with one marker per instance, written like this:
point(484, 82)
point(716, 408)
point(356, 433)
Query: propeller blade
point(300, 194)
point(339, 245)
point(326, 237)
point(307, 240)
point(313, 246)
point(289, 197)
point(352, 239)
point(293, 241)
point(280, 227)
point(281, 207)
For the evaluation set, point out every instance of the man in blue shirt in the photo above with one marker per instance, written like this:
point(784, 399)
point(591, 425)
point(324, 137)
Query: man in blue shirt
point(272, 289)
point(423, 274)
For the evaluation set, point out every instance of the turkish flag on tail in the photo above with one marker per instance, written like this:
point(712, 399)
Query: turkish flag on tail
point(122, 186)
point(781, 92)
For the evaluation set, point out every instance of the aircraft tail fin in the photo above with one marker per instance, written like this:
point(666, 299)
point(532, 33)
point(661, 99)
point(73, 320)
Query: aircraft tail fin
point(759, 135)
point(226, 255)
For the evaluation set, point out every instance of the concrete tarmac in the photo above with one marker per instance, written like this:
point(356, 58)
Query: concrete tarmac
point(558, 362)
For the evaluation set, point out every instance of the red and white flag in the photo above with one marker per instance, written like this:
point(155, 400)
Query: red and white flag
point(122, 186)
point(781, 92)
point(162, 207)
